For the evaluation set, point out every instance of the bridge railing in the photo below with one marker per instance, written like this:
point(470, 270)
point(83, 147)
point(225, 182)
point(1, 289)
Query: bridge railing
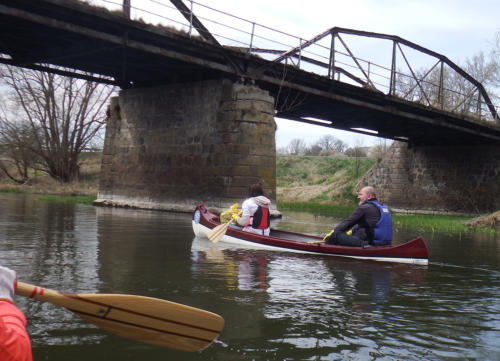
point(381, 62)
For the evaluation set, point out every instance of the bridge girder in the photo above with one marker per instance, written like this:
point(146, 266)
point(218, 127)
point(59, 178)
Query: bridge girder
point(73, 38)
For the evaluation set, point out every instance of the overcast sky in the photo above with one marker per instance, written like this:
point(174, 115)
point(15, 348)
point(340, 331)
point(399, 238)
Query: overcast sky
point(458, 29)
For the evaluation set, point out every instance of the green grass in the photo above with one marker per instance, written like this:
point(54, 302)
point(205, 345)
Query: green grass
point(12, 190)
point(358, 167)
point(90, 156)
point(51, 198)
point(431, 223)
point(68, 199)
point(290, 169)
point(328, 166)
point(337, 177)
point(316, 208)
point(348, 193)
point(413, 222)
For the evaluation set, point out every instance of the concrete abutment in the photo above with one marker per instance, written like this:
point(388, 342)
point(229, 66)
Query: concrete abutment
point(441, 179)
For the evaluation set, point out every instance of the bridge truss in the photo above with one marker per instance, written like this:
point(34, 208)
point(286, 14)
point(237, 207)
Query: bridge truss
point(336, 67)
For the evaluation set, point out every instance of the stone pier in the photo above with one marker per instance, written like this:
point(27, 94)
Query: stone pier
point(438, 179)
point(173, 147)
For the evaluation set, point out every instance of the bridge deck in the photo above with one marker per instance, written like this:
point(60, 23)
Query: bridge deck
point(107, 47)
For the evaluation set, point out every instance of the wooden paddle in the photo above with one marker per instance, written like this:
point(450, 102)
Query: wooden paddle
point(316, 242)
point(150, 320)
point(218, 232)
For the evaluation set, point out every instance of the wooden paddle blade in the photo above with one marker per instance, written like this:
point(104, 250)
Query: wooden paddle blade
point(316, 242)
point(154, 321)
point(218, 232)
point(150, 320)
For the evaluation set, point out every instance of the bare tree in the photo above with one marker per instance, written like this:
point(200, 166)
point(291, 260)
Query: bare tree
point(357, 152)
point(340, 146)
point(495, 56)
point(297, 146)
point(63, 115)
point(15, 156)
point(380, 150)
point(282, 151)
point(329, 142)
point(313, 150)
point(326, 142)
point(456, 93)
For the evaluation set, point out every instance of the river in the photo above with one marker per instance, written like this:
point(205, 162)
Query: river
point(277, 305)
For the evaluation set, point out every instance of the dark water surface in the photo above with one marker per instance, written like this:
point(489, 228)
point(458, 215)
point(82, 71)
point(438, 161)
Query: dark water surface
point(277, 305)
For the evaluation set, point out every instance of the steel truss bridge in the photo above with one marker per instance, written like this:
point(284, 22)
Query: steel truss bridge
point(402, 91)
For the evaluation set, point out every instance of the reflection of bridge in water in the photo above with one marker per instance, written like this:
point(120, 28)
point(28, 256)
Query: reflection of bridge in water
point(206, 130)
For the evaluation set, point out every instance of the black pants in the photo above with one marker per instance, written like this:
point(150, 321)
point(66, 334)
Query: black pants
point(343, 239)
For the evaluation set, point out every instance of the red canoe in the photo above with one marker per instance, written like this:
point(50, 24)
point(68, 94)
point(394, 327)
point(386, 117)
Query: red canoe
point(413, 251)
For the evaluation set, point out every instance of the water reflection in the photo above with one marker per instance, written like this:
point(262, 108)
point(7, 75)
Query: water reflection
point(135, 248)
point(324, 302)
point(56, 245)
point(277, 305)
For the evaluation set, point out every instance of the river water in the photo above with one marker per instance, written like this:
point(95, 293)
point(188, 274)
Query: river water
point(277, 305)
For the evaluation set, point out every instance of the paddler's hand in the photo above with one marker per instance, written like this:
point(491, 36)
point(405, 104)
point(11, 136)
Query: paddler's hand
point(235, 218)
point(328, 235)
point(8, 279)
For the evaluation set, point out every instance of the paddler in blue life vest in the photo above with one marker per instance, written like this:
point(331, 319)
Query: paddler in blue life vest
point(372, 220)
point(255, 216)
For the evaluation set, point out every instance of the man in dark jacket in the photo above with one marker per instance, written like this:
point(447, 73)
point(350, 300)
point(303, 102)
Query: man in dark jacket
point(373, 220)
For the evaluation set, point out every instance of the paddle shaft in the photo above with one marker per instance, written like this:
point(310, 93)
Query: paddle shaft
point(316, 242)
point(40, 293)
point(150, 320)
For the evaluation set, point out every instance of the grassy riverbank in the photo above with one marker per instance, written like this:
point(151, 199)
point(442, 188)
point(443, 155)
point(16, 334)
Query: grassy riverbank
point(319, 185)
point(414, 222)
point(56, 194)
point(323, 185)
point(321, 180)
point(83, 191)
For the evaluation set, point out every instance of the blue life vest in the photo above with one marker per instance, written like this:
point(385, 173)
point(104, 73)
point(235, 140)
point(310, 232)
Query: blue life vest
point(383, 228)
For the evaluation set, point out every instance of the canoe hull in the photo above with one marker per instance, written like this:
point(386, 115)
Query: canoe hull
point(414, 251)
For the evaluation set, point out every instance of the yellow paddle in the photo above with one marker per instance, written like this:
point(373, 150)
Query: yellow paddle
point(316, 242)
point(218, 232)
point(150, 320)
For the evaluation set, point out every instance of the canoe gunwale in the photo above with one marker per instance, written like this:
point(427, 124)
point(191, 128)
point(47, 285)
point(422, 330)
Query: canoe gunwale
point(413, 251)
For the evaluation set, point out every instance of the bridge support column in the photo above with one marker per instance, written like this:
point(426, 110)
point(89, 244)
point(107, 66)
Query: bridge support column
point(438, 178)
point(176, 146)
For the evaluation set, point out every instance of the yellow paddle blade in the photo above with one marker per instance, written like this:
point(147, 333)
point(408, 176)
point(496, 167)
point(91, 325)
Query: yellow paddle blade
point(150, 320)
point(218, 232)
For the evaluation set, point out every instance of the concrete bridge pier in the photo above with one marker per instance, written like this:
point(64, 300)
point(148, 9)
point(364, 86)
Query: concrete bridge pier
point(175, 146)
point(443, 179)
